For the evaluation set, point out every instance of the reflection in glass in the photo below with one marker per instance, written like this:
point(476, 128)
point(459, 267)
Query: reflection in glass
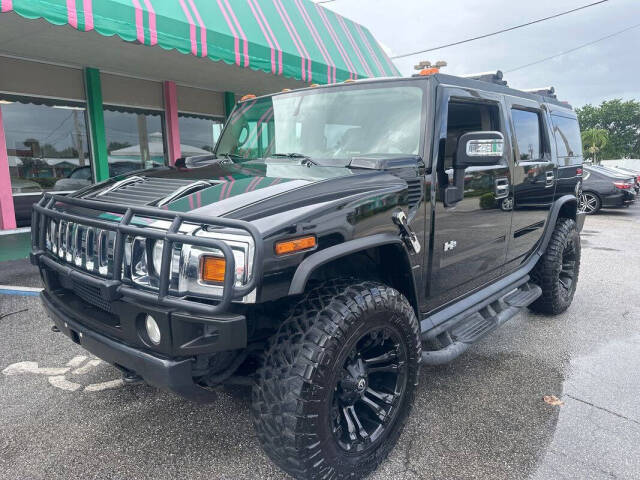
point(527, 130)
point(198, 135)
point(46, 142)
point(134, 139)
point(332, 126)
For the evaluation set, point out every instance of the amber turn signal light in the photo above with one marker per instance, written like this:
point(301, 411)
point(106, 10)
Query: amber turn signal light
point(248, 96)
point(295, 245)
point(212, 269)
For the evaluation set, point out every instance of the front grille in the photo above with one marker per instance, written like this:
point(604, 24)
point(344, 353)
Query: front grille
point(88, 248)
point(91, 295)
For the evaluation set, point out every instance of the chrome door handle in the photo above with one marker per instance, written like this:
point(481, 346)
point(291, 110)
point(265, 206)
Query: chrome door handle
point(502, 188)
point(550, 177)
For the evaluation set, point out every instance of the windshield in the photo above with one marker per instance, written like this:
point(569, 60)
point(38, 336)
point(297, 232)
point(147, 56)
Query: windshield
point(329, 126)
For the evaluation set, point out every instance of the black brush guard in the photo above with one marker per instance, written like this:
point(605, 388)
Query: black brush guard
point(112, 287)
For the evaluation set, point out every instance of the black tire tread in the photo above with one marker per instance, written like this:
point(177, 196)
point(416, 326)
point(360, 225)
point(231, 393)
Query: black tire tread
point(293, 362)
point(546, 273)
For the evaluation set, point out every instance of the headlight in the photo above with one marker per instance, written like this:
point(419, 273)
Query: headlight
point(187, 275)
point(200, 281)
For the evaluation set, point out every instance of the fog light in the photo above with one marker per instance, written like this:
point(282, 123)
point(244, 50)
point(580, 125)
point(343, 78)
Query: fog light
point(153, 330)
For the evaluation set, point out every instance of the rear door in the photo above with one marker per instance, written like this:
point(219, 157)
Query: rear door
point(470, 237)
point(534, 175)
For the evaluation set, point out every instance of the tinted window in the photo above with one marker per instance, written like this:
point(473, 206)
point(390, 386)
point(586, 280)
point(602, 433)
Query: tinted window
point(135, 139)
point(567, 133)
point(46, 141)
point(464, 117)
point(527, 130)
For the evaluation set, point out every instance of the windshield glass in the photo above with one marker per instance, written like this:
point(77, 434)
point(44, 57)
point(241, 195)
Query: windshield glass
point(329, 126)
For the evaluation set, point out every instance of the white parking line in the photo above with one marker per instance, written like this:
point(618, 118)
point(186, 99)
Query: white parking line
point(61, 382)
point(87, 367)
point(32, 367)
point(97, 387)
point(76, 361)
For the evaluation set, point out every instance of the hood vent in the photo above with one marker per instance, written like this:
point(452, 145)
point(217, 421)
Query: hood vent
point(148, 190)
point(414, 192)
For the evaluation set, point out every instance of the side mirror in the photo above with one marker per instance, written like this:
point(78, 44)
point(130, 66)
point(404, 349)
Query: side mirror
point(479, 149)
point(475, 149)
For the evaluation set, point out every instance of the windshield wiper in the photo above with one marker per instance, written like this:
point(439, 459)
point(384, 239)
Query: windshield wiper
point(230, 156)
point(307, 159)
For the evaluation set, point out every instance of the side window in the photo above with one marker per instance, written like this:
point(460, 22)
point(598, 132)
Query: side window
point(464, 117)
point(567, 134)
point(526, 126)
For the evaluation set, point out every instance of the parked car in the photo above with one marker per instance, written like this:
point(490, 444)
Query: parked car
point(635, 173)
point(605, 188)
point(79, 178)
point(413, 224)
point(82, 177)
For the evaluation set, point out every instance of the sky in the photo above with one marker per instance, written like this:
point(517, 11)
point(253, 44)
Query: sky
point(603, 71)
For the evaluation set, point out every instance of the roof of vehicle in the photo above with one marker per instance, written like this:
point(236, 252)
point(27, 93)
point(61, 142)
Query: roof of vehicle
point(447, 79)
point(607, 172)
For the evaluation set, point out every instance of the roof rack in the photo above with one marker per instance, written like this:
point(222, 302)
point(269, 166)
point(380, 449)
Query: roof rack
point(545, 92)
point(491, 77)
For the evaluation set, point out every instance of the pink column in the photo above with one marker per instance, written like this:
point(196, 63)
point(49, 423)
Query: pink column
point(7, 214)
point(171, 121)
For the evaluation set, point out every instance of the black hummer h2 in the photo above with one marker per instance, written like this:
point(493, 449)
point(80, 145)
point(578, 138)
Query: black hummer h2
point(338, 237)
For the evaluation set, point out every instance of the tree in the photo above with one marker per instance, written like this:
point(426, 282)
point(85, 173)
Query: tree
point(594, 141)
point(621, 120)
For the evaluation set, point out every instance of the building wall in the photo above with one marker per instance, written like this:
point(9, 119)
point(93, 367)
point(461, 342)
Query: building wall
point(131, 92)
point(128, 104)
point(22, 77)
point(198, 101)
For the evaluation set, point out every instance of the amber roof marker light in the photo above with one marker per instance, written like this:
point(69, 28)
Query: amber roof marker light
point(293, 245)
point(425, 68)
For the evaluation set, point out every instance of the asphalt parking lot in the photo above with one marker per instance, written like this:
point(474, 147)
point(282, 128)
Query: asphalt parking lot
point(66, 415)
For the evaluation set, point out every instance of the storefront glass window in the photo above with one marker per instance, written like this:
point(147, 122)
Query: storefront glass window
point(46, 142)
point(135, 139)
point(198, 135)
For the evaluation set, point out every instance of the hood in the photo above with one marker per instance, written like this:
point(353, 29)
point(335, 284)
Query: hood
point(245, 191)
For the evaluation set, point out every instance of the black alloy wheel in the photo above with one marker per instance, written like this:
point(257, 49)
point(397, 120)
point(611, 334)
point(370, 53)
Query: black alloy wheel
point(568, 273)
point(558, 270)
point(369, 389)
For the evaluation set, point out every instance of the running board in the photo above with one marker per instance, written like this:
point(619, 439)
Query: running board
point(467, 328)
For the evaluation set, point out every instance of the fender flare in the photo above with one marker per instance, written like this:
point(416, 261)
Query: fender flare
point(553, 218)
point(318, 259)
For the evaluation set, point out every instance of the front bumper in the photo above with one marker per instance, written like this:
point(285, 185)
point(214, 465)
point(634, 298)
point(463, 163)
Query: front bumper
point(175, 374)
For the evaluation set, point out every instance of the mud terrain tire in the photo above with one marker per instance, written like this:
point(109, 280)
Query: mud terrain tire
point(294, 402)
point(558, 269)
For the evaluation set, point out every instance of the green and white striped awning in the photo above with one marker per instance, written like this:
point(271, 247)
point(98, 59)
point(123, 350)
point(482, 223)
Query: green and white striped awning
point(292, 38)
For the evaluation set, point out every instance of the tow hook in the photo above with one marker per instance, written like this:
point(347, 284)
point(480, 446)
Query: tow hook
point(408, 236)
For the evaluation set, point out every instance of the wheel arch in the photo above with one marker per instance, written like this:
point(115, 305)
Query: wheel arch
point(564, 207)
point(381, 257)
